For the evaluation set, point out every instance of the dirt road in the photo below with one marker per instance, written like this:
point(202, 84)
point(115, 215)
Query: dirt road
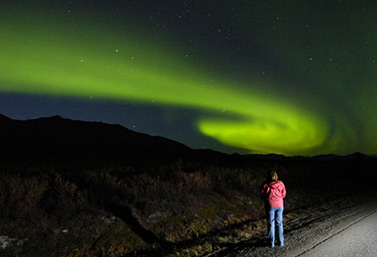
point(345, 229)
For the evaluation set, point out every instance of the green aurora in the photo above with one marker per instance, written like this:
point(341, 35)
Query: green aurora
point(52, 55)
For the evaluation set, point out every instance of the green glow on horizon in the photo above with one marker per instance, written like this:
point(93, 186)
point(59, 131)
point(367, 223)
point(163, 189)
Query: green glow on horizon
point(53, 58)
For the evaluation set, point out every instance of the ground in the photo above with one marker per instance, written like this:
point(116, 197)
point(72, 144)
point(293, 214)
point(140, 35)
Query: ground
point(305, 229)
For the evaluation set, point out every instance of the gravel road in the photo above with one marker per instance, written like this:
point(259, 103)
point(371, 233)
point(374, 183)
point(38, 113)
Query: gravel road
point(359, 239)
point(341, 227)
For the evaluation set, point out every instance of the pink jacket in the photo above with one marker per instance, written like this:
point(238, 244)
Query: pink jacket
point(274, 193)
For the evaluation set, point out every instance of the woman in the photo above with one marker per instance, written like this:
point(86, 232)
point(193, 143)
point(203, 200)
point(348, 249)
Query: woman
point(273, 192)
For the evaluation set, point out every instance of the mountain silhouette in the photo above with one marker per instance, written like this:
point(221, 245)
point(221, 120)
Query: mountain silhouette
point(56, 139)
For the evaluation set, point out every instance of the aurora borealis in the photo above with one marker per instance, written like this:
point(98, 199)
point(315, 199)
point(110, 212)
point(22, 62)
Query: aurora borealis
point(261, 77)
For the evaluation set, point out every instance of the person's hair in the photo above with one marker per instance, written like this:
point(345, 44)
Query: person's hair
point(274, 176)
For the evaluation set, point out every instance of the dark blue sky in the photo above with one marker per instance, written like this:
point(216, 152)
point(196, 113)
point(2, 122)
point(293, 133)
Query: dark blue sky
point(294, 77)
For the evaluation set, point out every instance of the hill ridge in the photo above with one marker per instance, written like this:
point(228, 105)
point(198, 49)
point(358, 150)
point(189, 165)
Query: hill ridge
point(58, 139)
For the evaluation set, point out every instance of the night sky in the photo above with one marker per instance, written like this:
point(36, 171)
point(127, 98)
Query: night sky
point(285, 77)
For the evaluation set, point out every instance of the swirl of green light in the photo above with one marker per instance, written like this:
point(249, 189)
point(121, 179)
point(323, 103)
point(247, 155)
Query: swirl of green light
point(52, 59)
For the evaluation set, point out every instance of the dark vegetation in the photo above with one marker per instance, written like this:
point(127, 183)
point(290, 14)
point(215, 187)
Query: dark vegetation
point(70, 188)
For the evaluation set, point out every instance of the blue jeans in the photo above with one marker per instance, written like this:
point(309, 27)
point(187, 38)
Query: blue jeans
point(275, 214)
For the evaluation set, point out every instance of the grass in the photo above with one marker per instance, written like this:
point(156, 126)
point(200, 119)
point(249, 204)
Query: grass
point(181, 209)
